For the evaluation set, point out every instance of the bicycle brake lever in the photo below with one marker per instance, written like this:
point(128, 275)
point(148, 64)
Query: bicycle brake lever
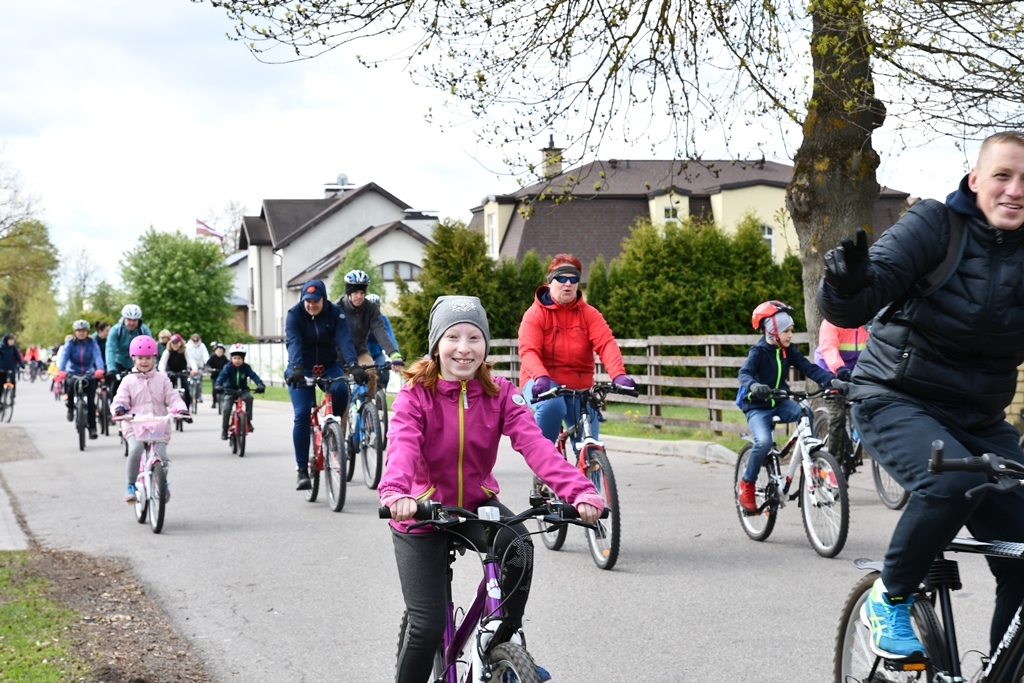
point(1002, 486)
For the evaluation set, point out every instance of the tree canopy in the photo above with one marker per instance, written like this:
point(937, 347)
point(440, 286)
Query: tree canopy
point(27, 260)
point(357, 258)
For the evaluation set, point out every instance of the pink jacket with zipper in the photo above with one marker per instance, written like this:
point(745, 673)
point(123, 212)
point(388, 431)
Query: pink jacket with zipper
point(442, 446)
point(147, 393)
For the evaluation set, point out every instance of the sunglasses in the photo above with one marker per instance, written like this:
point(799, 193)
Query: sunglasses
point(571, 279)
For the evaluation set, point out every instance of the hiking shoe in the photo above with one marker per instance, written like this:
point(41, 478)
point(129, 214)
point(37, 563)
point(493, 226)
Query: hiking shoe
point(746, 496)
point(129, 495)
point(304, 484)
point(892, 636)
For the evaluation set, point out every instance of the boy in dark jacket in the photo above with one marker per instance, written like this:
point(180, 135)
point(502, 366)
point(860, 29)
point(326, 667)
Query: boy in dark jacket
point(232, 381)
point(765, 369)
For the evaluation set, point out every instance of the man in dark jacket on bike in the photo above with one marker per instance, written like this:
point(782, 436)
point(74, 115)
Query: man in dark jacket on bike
point(363, 318)
point(10, 359)
point(943, 366)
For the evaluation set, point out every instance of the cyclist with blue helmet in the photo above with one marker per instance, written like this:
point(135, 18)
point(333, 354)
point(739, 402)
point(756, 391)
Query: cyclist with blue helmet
point(363, 318)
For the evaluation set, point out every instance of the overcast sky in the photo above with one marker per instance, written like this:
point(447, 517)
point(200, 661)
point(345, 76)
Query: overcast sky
point(125, 114)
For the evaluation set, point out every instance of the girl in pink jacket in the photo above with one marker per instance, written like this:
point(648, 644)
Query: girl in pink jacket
point(144, 391)
point(442, 446)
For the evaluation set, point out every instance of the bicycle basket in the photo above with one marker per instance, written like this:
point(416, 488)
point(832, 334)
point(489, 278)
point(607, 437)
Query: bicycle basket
point(149, 429)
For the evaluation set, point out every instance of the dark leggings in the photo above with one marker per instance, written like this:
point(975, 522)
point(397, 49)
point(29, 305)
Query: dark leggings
point(422, 568)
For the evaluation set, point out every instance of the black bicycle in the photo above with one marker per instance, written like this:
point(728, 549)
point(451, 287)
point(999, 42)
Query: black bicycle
point(855, 662)
point(80, 403)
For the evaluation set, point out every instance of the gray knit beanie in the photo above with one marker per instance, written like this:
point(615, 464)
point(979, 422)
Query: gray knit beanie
point(452, 310)
point(778, 323)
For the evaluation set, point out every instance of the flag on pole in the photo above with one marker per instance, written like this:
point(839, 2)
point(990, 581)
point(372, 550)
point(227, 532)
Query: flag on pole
point(204, 229)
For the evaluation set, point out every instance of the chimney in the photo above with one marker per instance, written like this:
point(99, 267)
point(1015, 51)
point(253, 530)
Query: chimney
point(551, 160)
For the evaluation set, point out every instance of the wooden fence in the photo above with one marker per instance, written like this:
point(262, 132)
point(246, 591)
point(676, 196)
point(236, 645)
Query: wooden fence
point(714, 354)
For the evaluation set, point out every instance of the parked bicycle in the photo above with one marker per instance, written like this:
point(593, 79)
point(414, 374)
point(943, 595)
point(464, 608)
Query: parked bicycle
point(892, 495)
point(592, 461)
point(151, 490)
point(365, 434)
point(327, 443)
point(469, 653)
point(821, 490)
point(855, 662)
point(238, 423)
point(7, 398)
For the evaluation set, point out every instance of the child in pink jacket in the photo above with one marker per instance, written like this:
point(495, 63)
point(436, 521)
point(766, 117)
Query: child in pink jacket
point(144, 391)
point(442, 446)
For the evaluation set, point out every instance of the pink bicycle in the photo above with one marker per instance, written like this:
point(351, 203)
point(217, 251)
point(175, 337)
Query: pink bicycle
point(151, 492)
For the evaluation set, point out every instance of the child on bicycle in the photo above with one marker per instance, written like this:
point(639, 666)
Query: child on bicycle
point(442, 446)
point(765, 369)
point(216, 363)
point(144, 391)
point(232, 381)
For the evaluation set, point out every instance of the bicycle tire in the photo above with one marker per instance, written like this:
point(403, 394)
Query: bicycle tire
point(512, 658)
point(371, 447)
point(351, 443)
point(3, 403)
point(103, 413)
point(233, 433)
point(892, 495)
point(314, 474)
point(195, 399)
point(80, 423)
point(825, 509)
point(757, 527)
point(8, 399)
point(553, 537)
point(243, 430)
point(157, 497)
point(604, 540)
point(382, 409)
point(335, 461)
point(141, 501)
point(819, 426)
point(853, 658)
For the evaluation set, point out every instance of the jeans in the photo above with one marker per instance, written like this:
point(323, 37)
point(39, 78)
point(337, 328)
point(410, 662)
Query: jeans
point(898, 432)
point(550, 414)
point(302, 404)
point(760, 421)
point(422, 569)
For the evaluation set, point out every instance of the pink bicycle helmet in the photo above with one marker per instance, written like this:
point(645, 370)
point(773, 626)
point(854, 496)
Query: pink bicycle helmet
point(143, 345)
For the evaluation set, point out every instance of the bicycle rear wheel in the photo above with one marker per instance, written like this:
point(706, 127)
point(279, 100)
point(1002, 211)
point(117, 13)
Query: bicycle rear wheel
point(511, 662)
point(757, 526)
point(3, 403)
point(854, 659)
point(80, 423)
point(157, 497)
point(825, 504)
point(243, 430)
point(371, 446)
point(311, 470)
point(103, 413)
point(892, 494)
point(553, 537)
point(8, 399)
point(141, 499)
point(604, 540)
point(381, 397)
point(335, 463)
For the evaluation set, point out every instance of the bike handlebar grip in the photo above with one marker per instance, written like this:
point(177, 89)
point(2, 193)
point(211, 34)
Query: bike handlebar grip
point(384, 512)
point(935, 465)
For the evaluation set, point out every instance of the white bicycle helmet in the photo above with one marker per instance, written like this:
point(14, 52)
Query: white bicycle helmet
point(375, 298)
point(80, 325)
point(237, 350)
point(131, 312)
point(357, 277)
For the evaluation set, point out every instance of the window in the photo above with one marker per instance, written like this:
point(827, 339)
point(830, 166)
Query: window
point(277, 276)
point(671, 215)
point(407, 271)
point(492, 234)
point(769, 236)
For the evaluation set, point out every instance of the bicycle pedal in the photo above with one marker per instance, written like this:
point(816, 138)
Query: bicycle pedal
point(912, 663)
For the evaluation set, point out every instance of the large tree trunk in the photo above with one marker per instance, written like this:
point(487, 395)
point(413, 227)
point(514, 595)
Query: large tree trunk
point(834, 189)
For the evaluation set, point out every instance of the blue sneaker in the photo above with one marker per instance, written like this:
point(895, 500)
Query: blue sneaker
point(510, 676)
point(892, 635)
point(129, 496)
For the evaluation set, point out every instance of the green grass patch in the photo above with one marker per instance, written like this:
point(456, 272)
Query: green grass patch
point(34, 645)
point(638, 429)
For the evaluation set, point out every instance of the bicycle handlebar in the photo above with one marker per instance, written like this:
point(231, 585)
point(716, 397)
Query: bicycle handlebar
point(432, 513)
point(1009, 473)
point(131, 417)
point(599, 390)
point(803, 395)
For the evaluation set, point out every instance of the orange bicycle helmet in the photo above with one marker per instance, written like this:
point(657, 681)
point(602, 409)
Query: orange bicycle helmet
point(767, 310)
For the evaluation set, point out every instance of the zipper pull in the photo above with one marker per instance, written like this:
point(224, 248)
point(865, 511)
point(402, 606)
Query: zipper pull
point(465, 396)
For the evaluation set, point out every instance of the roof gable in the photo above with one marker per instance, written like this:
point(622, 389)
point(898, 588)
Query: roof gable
point(324, 209)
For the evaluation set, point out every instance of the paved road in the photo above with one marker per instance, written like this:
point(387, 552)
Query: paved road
point(272, 588)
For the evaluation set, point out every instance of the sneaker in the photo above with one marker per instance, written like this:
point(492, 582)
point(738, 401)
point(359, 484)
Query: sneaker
point(747, 500)
point(71, 414)
point(304, 484)
point(223, 436)
point(250, 428)
point(93, 434)
point(199, 399)
point(129, 495)
point(892, 636)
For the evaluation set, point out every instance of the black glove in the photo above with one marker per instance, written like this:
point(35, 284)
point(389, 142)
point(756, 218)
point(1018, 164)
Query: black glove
point(760, 391)
point(848, 267)
point(298, 376)
point(839, 386)
point(843, 374)
point(359, 374)
point(260, 388)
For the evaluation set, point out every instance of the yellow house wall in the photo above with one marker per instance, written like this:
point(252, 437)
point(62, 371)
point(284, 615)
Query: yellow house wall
point(730, 206)
point(657, 205)
point(504, 214)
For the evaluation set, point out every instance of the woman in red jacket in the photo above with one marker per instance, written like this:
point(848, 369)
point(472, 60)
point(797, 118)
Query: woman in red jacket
point(557, 339)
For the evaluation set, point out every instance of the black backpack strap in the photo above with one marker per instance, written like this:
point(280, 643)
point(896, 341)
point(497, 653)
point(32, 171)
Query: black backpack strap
point(941, 273)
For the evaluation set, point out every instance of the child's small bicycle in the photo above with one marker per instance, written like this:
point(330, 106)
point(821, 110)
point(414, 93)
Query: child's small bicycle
point(151, 492)
point(821, 492)
point(238, 423)
point(469, 652)
point(327, 443)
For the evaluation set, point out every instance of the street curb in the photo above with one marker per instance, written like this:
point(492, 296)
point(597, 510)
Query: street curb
point(705, 451)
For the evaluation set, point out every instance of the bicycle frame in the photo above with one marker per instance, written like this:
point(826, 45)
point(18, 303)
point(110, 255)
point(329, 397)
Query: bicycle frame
point(322, 411)
point(802, 440)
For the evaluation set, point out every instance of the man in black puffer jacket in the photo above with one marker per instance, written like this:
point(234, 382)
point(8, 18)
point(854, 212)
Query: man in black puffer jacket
point(944, 366)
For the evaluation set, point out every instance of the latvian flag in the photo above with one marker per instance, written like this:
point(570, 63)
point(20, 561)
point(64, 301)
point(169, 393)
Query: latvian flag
point(204, 229)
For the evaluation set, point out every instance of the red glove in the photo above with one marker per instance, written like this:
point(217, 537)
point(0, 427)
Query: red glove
point(61, 375)
point(98, 374)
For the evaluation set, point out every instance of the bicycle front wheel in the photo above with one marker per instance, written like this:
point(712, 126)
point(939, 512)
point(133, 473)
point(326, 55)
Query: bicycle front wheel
point(8, 408)
point(825, 504)
point(80, 424)
point(511, 662)
point(758, 526)
point(371, 447)
point(335, 463)
point(381, 397)
point(157, 497)
point(892, 494)
point(553, 537)
point(604, 540)
point(854, 660)
point(311, 469)
point(243, 430)
point(103, 413)
point(141, 500)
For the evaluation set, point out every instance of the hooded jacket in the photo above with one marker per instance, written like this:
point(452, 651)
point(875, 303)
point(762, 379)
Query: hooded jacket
point(442, 446)
point(560, 341)
point(364, 321)
point(839, 347)
point(148, 393)
point(118, 342)
point(769, 364)
point(961, 345)
point(317, 340)
point(10, 355)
